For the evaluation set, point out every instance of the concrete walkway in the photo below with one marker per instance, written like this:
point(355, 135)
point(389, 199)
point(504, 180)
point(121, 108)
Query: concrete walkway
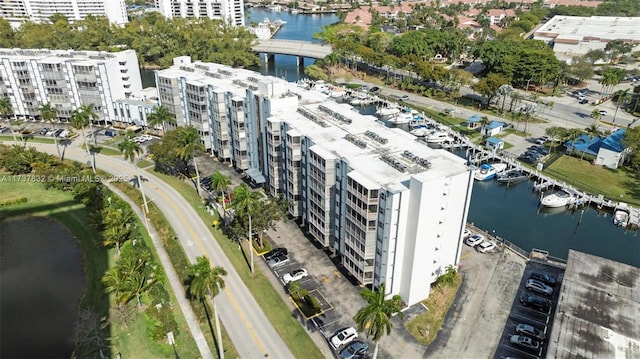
point(172, 278)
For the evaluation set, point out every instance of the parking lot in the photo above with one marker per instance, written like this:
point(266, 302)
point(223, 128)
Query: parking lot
point(521, 314)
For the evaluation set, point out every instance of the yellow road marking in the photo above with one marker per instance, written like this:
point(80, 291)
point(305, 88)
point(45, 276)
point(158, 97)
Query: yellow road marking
point(226, 290)
point(465, 256)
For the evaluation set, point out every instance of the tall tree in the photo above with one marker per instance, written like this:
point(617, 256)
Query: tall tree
point(556, 133)
point(79, 121)
point(488, 86)
point(6, 110)
point(131, 150)
point(596, 115)
point(631, 140)
point(592, 131)
point(115, 282)
point(247, 202)
point(89, 112)
point(375, 317)
point(620, 97)
point(572, 136)
point(207, 281)
point(220, 183)
point(160, 117)
point(48, 113)
point(189, 145)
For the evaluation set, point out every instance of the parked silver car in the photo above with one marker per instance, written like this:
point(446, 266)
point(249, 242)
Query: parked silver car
point(539, 287)
point(278, 261)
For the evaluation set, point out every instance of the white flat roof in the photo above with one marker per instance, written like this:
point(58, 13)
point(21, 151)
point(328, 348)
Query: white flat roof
point(594, 28)
point(330, 131)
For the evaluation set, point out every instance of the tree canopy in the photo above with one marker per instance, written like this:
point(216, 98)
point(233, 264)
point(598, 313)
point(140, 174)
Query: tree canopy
point(156, 39)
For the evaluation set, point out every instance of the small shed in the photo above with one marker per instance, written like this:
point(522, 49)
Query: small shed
point(494, 143)
point(474, 121)
point(493, 128)
point(612, 152)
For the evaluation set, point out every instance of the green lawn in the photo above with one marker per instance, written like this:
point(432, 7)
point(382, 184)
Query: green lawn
point(28, 139)
point(132, 342)
point(293, 334)
point(145, 164)
point(618, 185)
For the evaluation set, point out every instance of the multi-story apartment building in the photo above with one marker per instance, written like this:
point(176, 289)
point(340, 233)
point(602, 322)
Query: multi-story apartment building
point(393, 209)
point(67, 79)
point(231, 11)
point(19, 11)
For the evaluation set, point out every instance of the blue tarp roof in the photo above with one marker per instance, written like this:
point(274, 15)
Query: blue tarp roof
point(494, 140)
point(474, 119)
point(614, 141)
point(494, 124)
point(585, 144)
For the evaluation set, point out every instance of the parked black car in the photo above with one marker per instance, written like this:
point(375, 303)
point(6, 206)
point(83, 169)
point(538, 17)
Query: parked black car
point(276, 252)
point(544, 278)
point(536, 302)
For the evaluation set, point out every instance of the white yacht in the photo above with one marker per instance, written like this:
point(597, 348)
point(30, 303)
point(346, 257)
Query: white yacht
point(488, 171)
point(387, 112)
point(438, 137)
point(559, 198)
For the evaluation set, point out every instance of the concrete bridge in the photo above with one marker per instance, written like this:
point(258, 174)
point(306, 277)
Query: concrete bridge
point(300, 49)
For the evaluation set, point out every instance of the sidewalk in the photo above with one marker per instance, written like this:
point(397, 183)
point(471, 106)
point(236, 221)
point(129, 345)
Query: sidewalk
point(172, 279)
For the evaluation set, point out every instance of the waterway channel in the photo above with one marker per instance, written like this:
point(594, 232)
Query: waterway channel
point(511, 213)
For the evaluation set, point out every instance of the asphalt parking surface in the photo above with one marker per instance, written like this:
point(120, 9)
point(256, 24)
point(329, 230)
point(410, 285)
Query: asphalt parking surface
point(526, 315)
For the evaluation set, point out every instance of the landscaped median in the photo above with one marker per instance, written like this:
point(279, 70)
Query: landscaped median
point(279, 314)
point(424, 327)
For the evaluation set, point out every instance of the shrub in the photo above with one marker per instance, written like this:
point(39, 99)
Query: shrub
point(160, 321)
point(11, 202)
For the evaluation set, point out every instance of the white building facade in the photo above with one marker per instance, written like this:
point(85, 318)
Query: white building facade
point(67, 80)
point(393, 209)
point(231, 11)
point(19, 11)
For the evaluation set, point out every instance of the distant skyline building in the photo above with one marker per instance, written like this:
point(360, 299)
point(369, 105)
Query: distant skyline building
point(67, 79)
point(20, 11)
point(392, 208)
point(231, 11)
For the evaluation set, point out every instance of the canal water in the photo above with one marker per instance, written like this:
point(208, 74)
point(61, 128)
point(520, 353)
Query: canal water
point(511, 213)
point(41, 283)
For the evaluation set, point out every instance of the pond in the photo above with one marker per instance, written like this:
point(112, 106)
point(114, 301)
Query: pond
point(41, 284)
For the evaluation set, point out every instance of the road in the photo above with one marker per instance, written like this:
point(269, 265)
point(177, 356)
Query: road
point(247, 326)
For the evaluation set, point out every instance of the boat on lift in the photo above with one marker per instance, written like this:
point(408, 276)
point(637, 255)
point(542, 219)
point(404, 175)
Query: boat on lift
point(488, 171)
point(621, 215)
point(512, 176)
point(558, 198)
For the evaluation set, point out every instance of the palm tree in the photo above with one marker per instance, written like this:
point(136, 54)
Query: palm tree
point(6, 110)
point(375, 317)
point(119, 223)
point(247, 202)
point(79, 121)
point(88, 111)
point(207, 281)
point(572, 136)
point(220, 183)
point(596, 114)
point(130, 150)
point(555, 133)
point(620, 97)
point(189, 144)
point(160, 117)
point(593, 131)
point(48, 113)
point(116, 282)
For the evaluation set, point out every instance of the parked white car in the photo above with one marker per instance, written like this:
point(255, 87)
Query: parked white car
point(343, 336)
point(294, 275)
point(474, 240)
point(467, 232)
point(485, 246)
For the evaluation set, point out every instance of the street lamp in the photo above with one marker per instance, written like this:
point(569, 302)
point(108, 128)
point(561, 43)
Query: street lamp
point(172, 341)
point(527, 90)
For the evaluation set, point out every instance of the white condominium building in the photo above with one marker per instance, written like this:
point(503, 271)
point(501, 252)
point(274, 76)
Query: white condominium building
point(67, 79)
point(19, 11)
point(231, 11)
point(393, 209)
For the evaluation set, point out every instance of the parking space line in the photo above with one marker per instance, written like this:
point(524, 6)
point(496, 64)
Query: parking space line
point(523, 352)
point(515, 316)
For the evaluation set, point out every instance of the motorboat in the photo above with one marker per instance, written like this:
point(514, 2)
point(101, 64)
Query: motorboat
point(419, 131)
point(438, 137)
point(488, 171)
point(387, 112)
point(559, 198)
point(621, 215)
point(400, 119)
point(512, 176)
